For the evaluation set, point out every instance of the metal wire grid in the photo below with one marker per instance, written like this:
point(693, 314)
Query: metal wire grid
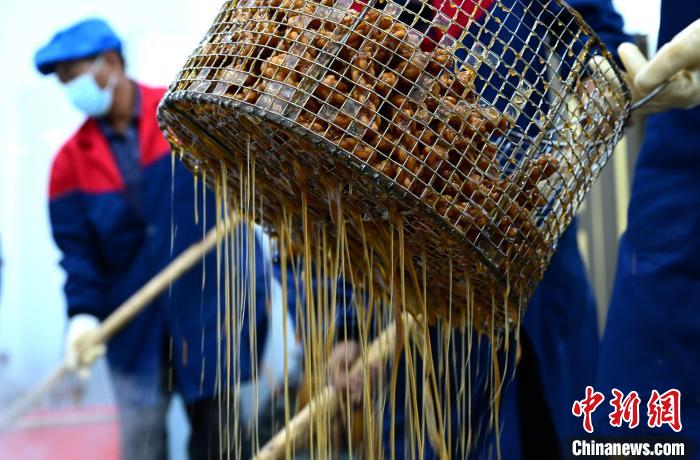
point(494, 120)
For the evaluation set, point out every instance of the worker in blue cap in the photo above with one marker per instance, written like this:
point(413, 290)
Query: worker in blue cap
point(117, 225)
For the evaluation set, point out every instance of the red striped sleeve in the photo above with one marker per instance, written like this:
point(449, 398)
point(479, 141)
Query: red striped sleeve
point(459, 12)
point(462, 12)
point(84, 164)
point(152, 143)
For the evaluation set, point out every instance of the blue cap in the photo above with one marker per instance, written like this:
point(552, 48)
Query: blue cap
point(84, 39)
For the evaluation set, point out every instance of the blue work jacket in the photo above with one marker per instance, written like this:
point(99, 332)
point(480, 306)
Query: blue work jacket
point(652, 334)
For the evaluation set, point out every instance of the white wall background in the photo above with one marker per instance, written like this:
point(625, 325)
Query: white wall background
point(35, 118)
point(641, 17)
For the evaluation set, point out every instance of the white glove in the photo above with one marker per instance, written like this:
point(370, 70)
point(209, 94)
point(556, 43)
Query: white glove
point(80, 351)
point(677, 61)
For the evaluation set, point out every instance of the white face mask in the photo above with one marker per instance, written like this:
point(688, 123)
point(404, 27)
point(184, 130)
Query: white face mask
point(86, 94)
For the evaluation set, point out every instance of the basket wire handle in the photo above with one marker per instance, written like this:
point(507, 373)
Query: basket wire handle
point(646, 99)
point(605, 66)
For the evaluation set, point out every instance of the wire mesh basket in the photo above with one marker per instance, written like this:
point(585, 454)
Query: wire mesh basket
point(481, 123)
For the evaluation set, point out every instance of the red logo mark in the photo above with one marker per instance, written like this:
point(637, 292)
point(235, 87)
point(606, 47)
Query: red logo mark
point(665, 409)
point(625, 408)
point(587, 406)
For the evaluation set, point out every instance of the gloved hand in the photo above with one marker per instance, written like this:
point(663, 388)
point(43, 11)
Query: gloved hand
point(340, 363)
point(80, 353)
point(677, 61)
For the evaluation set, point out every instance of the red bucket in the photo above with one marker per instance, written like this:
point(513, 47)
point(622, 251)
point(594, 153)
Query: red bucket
point(84, 433)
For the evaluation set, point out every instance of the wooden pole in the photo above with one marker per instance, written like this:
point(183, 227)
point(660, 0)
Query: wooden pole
point(328, 399)
point(144, 296)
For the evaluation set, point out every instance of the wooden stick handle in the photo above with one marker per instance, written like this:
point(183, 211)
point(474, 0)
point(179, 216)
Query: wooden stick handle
point(328, 399)
point(144, 296)
point(26, 401)
point(119, 318)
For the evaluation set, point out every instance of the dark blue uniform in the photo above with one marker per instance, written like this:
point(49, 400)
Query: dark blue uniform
point(560, 334)
point(653, 327)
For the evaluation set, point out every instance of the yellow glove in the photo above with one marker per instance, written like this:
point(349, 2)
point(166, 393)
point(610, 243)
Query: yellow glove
point(80, 351)
point(340, 361)
point(678, 62)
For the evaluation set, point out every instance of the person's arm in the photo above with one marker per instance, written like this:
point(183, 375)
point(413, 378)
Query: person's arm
point(85, 282)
